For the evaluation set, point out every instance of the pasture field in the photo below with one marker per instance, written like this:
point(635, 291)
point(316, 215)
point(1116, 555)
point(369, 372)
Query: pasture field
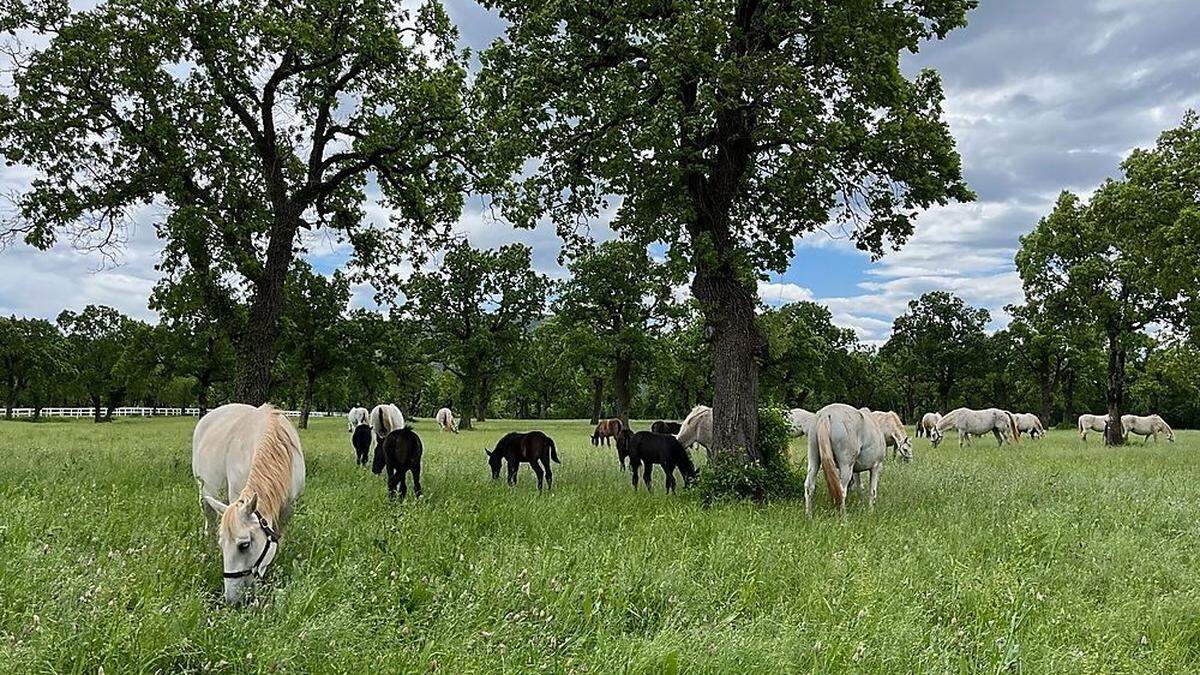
point(1050, 556)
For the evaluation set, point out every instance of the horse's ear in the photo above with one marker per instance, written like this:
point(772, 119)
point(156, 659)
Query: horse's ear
point(487, 452)
point(251, 505)
point(216, 505)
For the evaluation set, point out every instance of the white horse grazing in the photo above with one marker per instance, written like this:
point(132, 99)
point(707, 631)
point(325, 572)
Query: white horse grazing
point(385, 418)
point(843, 441)
point(894, 433)
point(252, 454)
point(1147, 426)
point(355, 417)
point(928, 421)
point(1091, 423)
point(445, 420)
point(968, 422)
point(1029, 423)
point(800, 420)
point(697, 428)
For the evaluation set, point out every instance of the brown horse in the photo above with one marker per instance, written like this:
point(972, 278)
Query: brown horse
point(606, 430)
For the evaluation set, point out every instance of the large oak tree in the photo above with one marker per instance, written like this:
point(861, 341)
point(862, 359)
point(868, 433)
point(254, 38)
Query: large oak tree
point(724, 129)
point(253, 123)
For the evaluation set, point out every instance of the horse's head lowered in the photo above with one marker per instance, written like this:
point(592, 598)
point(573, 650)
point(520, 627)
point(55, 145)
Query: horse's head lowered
point(495, 457)
point(936, 436)
point(248, 544)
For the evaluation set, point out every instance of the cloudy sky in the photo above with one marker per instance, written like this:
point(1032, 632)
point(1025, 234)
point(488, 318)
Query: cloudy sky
point(1041, 97)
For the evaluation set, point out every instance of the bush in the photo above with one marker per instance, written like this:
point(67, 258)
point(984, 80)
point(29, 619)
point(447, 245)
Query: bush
point(733, 476)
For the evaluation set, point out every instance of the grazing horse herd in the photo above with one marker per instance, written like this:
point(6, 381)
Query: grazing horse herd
point(253, 457)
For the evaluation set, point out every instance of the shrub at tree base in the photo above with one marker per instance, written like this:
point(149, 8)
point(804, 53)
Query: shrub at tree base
point(731, 476)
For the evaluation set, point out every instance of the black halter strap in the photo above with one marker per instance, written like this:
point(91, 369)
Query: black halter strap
point(272, 540)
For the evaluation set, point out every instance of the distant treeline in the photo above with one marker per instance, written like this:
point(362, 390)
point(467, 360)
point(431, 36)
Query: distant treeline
point(560, 357)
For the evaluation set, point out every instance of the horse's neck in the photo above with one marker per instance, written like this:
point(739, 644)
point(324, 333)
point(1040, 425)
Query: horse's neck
point(271, 474)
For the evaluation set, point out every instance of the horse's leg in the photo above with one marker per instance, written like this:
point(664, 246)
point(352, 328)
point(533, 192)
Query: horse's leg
point(549, 472)
point(810, 481)
point(999, 437)
point(875, 471)
point(416, 475)
point(513, 465)
point(846, 475)
point(646, 475)
point(537, 471)
point(669, 469)
point(402, 482)
point(633, 471)
point(393, 478)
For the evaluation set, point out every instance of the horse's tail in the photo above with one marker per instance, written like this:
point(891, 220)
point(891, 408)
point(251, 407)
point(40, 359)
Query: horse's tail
point(828, 464)
point(1012, 424)
point(553, 451)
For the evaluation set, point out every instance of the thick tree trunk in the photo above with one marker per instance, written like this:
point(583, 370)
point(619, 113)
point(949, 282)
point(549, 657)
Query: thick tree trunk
point(737, 347)
point(8, 408)
point(310, 379)
point(256, 351)
point(1114, 434)
point(98, 416)
point(621, 375)
point(597, 398)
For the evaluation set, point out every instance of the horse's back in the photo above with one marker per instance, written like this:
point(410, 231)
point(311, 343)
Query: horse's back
point(404, 445)
point(223, 446)
point(386, 418)
point(362, 437)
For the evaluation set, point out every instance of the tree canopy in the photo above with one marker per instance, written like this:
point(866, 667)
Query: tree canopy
point(723, 130)
point(475, 307)
point(252, 123)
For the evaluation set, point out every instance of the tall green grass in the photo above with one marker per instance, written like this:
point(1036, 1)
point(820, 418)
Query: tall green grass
point(1044, 557)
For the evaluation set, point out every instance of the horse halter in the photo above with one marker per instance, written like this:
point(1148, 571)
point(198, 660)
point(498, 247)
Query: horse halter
point(264, 558)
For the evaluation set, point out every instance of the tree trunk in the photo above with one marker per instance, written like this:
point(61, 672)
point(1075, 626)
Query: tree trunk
point(621, 375)
point(8, 408)
point(202, 396)
point(1114, 434)
point(737, 347)
point(482, 397)
point(597, 398)
point(310, 379)
point(256, 350)
point(98, 417)
point(1046, 393)
point(1069, 415)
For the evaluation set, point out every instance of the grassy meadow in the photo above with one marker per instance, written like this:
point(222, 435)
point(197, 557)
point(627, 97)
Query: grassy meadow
point(1050, 556)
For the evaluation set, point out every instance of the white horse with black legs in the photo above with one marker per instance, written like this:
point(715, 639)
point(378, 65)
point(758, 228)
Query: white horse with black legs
point(696, 428)
point(355, 417)
point(1088, 423)
point(800, 420)
point(843, 441)
point(1147, 426)
point(1029, 423)
point(928, 421)
point(252, 457)
point(968, 422)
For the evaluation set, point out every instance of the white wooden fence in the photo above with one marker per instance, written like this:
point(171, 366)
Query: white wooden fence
point(139, 412)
